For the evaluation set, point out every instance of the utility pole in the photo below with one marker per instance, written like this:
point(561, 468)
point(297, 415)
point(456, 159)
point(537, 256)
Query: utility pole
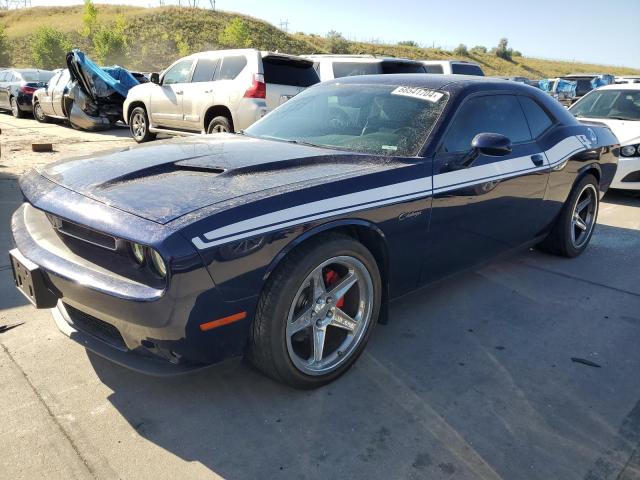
point(213, 4)
point(284, 25)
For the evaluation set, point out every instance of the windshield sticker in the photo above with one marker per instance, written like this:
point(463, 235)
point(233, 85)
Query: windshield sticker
point(422, 93)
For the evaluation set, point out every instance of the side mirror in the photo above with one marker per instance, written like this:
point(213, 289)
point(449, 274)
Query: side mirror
point(155, 78)
point(491, 144)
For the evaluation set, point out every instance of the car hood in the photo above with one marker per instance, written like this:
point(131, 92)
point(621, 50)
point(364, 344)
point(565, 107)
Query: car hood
point(627, 131)
point(168, 179)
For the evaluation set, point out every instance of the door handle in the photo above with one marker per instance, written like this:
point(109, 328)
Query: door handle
point(179, 92)
point(537, 159)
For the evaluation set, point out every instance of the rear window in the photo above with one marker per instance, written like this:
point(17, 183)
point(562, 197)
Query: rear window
point(281, 71)
point(402, 67)
point(349, 69)
point(231, 67)
point(42, 76)
point(434, 68)
point(465, 69)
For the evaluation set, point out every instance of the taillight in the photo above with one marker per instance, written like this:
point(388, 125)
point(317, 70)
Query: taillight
point(258, 88)
point(27, 89)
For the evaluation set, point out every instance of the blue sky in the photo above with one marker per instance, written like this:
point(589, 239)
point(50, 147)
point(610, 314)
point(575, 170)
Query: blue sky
point(598, 31)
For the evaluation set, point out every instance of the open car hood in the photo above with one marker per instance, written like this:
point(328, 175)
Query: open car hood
point(99, 82)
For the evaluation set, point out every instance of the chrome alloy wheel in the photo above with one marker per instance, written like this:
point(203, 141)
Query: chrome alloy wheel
point(138, 125)
point(585, 212)
point(15, 110)
point(37, 111)
point(329, 315)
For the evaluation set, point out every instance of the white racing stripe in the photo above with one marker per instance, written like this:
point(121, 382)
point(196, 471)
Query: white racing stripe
point(387, 195)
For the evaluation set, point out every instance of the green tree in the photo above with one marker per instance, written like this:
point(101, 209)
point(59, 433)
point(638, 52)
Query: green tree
point(235, 34)
point(336, 43)
point(110, 42)
point(5, 52)
point(49, 48)
point(461, 50)
point(502, 50)
point(407, 43)
point(89, 19)
point(479, 49)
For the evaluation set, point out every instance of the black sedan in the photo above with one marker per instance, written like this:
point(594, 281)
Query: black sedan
point(17, 87)
point(286, 243)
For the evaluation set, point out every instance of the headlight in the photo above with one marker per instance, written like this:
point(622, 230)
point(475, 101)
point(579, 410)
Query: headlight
point(138, 252)
point(630, 150)
point(158, 263)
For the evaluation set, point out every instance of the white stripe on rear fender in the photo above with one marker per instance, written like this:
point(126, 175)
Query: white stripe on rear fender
point(387, 195)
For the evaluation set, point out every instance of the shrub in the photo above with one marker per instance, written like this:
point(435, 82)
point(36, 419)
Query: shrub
point(407, 43)
point(89, 19)
point(516, 53)
point(236, 34)
point(49, 48)
point(479, 49)
point(110, 43)
point(336, 43)
point(461, 50)
point(501, 51)
point(5, 52)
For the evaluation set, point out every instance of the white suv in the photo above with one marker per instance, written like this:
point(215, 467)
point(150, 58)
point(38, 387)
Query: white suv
point(456, 67)
point(337, 66)
point(217, 91)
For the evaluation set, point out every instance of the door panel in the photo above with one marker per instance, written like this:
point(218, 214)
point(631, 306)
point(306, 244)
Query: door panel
point(199, 93)
point(57, 94)
point(166, 99)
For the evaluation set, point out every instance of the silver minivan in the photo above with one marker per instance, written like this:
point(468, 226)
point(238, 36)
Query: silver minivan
point(216, 91)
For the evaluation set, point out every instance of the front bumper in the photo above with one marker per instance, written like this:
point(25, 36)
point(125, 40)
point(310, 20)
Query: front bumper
point(140, 327)
point(628, 174)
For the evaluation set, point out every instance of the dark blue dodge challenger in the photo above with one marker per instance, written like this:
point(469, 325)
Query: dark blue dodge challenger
point(286, 242)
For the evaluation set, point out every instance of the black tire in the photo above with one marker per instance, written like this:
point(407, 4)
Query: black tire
point(139, 125)
point(268, 349)
point(219, 124)
point(38, 114)
point(15, 108)
point(561, 241)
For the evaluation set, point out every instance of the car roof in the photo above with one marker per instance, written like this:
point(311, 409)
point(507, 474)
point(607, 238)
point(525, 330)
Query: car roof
point(427, 80)
point(359, 58)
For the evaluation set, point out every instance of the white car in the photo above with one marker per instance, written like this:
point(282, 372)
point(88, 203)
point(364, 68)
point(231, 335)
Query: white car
point(618, 107)
point(338, 66)
point(216, 91)
point(455, 67)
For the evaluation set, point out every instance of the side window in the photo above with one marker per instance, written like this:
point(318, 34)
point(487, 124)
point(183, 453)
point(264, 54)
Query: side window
point(231, 67)
point(205, 70)
point(538, 119)
point(52, 81)
point(3, 76)
point(179, 73)
point(487, 114)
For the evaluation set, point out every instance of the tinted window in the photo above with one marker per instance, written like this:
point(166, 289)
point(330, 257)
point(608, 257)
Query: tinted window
point(466, 69)
point(487, 114)
point(179, 73)
point(288, 72)
point(402, 67)
point(205, 70)
point(231, 67)
point(349, 69)
point(537, 118)
point(434, 68)
point(616, 104)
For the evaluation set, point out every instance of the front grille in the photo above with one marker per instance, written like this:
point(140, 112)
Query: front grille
point(95, 327)
point(79, 232)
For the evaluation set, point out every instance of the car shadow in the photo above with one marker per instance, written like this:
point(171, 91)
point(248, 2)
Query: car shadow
point(471, 378)
point(629, 198)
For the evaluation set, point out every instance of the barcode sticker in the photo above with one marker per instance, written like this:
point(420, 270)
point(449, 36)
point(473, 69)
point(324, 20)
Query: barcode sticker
point(416, 92)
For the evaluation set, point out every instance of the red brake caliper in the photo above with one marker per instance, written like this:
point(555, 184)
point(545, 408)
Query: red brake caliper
point(331, 277)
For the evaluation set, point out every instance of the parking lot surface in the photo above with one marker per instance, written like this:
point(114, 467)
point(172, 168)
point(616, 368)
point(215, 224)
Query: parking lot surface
point(472, 377)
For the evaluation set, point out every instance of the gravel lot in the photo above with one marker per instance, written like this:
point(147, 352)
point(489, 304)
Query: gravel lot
point(472, 378)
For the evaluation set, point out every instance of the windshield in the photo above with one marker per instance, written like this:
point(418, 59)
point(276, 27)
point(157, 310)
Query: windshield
point(614, 104)
point(377, 119)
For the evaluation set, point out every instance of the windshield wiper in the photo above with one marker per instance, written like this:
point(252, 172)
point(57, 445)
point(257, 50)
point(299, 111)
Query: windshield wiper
point(617, 117)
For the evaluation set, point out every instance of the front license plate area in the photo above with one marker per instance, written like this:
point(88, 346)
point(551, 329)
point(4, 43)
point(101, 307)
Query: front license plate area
point(30, 281)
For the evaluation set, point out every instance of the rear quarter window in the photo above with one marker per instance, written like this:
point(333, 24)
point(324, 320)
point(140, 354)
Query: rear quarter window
point(289, 72)
point(464, 69)
point(434, 68)
point(231, 67)
point(538, 119)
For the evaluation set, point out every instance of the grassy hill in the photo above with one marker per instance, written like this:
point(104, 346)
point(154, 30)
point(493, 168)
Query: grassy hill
point(158, 36)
